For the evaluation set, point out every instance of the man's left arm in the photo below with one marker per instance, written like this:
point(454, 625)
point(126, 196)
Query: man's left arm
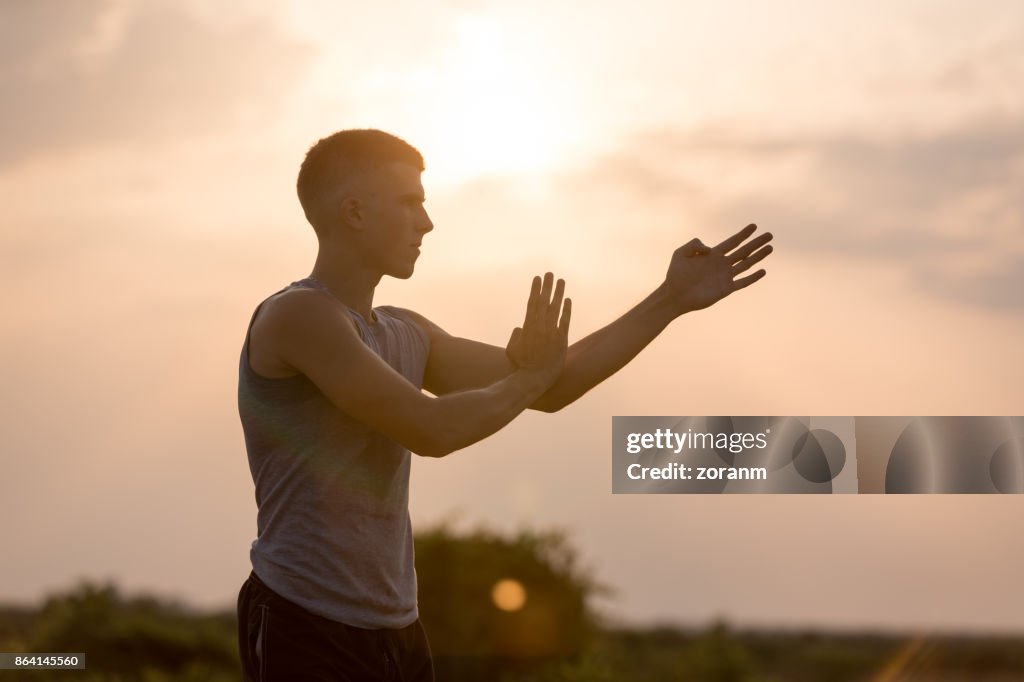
point(698, 276)
point(458, 364)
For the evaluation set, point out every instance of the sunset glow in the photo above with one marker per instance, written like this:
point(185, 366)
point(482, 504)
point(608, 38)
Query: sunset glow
point(148, 169)
point(489, 108)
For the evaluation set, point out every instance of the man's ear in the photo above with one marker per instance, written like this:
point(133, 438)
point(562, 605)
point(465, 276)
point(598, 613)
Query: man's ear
point(350, 212)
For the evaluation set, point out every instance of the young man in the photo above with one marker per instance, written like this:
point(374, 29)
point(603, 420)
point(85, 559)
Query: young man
point(331, 406)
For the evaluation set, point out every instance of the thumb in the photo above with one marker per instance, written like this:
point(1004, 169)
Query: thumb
point(513, 340)
point(512, 350)
point(695, 247)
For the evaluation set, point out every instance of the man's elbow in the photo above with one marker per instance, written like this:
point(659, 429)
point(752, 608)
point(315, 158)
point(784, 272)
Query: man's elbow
point(548, 404)
point(432, 450)
point(428, 433)
point(434, 445)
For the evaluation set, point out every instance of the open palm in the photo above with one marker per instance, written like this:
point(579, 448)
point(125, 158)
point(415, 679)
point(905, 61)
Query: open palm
point(540, 344)
point(700, 276)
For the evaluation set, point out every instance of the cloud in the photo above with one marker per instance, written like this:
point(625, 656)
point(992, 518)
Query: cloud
point(993, 62)
point(1000, 287)
point(77, 74)
point(946, 207)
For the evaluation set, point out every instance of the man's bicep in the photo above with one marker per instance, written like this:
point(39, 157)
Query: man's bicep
point(458, 364)
point(322, 343)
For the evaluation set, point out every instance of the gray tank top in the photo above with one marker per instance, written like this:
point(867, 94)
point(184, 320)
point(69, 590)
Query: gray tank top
point(333, 529)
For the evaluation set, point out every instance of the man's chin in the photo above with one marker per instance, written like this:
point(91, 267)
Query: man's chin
point(403, 272)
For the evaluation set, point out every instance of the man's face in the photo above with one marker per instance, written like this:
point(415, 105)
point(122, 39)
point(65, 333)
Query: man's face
point(395, 218)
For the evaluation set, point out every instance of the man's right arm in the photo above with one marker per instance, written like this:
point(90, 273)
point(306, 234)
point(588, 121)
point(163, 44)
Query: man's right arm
point(309, 332)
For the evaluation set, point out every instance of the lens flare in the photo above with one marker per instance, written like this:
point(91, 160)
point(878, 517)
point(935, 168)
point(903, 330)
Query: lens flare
point(508, 594)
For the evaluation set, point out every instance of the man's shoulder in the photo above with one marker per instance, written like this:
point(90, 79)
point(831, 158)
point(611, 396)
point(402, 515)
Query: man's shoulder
point(399, 311)
point(298, 300)
point(418, 319)
point(296, 310)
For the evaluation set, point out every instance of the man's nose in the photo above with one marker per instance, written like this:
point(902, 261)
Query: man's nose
point(426, 224)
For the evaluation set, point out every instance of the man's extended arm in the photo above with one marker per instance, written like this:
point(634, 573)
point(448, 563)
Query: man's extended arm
point(698, 276)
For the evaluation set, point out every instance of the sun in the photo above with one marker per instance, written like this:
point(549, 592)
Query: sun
point(493, 109)
point(489, 95)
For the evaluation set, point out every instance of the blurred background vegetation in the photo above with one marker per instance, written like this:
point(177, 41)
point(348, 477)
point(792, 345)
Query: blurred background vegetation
point(505, 608)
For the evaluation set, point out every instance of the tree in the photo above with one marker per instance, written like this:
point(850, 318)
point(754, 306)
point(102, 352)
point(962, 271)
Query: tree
point(470, 589)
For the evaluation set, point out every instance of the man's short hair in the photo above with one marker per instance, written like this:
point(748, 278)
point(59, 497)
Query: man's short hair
point(335, 159)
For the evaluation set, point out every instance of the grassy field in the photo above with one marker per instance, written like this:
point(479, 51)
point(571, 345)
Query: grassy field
point(552, 636)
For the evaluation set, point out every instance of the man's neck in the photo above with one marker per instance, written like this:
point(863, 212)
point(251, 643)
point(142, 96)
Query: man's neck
point(346, 280)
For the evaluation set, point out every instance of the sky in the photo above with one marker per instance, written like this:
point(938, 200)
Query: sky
point(148, 153)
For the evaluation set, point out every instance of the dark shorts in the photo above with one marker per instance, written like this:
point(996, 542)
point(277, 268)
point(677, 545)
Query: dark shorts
point(279, 640)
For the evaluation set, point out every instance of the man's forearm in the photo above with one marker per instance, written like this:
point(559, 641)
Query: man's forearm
point(457, 420)
point(596, 357)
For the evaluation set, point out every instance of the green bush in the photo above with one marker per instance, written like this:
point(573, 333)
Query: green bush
point(471, 637)
point(142, 638)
